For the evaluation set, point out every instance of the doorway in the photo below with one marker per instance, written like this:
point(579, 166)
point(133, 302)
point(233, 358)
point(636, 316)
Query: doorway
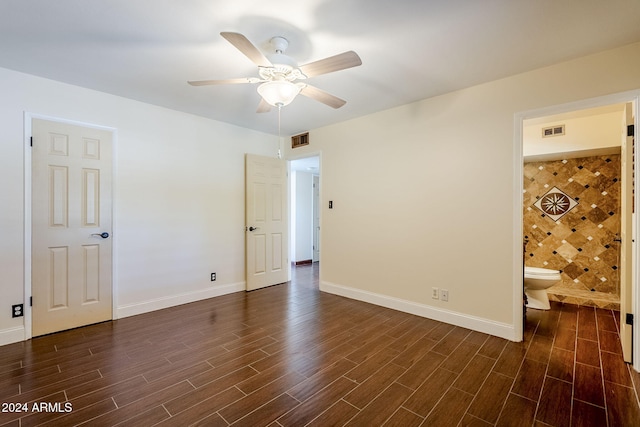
point(304, 183)
point(601, 236)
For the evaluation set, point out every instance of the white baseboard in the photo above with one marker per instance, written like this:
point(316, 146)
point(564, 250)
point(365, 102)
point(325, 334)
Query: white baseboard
point(171, 301)
point(17, 334)
point(502, 330)
point(11, 335)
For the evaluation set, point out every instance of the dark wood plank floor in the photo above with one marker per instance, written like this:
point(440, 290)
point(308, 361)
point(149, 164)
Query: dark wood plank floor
point(290, 355)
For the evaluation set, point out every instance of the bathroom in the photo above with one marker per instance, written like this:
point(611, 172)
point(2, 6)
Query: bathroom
point(572, 203)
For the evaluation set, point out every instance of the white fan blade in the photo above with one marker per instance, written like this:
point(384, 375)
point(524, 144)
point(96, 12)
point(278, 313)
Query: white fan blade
point(247, 48)
point(220, 82)
point(331, 64)
point(322, 96)
point(263, 106)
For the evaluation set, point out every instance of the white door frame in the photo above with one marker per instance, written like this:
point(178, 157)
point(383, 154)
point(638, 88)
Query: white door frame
point(317, 154)
point(28, 165)
point(518, 263)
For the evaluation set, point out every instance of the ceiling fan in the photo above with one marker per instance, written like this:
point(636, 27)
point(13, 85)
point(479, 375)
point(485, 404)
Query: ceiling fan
point(279, 73)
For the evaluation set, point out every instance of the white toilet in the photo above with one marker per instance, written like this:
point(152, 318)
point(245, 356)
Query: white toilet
point(536, 282)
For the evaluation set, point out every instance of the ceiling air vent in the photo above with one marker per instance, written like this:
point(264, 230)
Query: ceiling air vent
point(553, 131)
point(300, 140)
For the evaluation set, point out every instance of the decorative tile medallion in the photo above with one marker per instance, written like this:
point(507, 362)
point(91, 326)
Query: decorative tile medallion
point(555, 203)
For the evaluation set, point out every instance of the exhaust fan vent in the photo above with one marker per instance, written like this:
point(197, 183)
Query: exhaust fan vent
point(553, 131)
point(300, 140)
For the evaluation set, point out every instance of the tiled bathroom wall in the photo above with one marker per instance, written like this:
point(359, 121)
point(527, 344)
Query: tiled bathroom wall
point(581, 243)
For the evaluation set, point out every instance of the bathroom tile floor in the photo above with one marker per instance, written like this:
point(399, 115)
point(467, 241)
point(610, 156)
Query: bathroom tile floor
point(290, 355)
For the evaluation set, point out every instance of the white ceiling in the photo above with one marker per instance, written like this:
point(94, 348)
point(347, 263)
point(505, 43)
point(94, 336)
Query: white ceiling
point(577, 114)
point(410, 49)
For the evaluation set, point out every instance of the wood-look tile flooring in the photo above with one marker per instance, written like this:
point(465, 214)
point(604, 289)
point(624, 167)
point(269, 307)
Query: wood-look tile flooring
point(290, 355)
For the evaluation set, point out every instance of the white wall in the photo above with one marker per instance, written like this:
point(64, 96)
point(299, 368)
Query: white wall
point(440, 195)
point(178, 197)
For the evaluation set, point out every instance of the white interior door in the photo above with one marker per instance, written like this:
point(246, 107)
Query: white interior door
point(627, 243)
point(316, 218)
point(266, 221)
point(71, 209)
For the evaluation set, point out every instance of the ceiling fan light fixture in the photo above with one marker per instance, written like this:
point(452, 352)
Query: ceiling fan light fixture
point(279, 92)
point(279, 72)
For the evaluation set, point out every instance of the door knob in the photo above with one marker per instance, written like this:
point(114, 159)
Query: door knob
point(253, 228)
point(103, 235)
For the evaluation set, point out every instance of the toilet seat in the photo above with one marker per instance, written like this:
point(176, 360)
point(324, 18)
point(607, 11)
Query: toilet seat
point(540, 272)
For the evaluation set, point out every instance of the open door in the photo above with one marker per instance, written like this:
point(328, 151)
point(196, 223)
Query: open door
point(266, 221)
point(627, 263)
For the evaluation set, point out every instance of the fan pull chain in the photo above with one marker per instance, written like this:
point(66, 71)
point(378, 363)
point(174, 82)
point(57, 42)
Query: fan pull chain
point(279, 138)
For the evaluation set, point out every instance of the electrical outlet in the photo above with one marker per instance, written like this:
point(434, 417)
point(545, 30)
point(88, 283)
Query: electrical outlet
point(435, 294)
point(213, 277)
point(444, 294)
point(17, 310)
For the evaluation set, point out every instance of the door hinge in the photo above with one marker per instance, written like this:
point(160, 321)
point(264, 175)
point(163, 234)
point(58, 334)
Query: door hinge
point(630, 130)
point(31, 141)
point(30, 301)
point(629, 319)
